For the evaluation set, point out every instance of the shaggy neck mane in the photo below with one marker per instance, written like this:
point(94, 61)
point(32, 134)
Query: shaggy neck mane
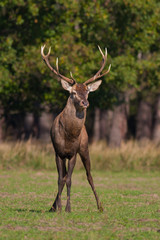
point(73, 119)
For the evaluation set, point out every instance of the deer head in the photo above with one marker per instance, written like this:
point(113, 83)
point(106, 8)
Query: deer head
point(78, 91)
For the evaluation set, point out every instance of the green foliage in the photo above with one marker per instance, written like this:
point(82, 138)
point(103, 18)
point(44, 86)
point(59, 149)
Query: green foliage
point(129, 29)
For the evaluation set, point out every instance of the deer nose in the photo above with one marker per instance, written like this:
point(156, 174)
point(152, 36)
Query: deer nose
point(85, 103)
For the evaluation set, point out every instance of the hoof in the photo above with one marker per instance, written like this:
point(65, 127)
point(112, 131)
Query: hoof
point(68, 209)
point(100, 208)
point(52, 209)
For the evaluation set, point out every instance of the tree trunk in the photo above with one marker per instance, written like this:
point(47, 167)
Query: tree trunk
point(28, 125)
point(45, 123)
point(144, 121)
point(96, 126)
point(1, 125)
point(156, 129)
point(119, 126)
point(105, 123)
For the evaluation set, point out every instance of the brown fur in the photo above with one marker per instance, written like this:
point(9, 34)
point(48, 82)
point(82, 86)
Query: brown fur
point(69, 137)
point(68, 132)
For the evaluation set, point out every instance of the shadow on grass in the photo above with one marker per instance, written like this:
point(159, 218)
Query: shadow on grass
point(30, 210)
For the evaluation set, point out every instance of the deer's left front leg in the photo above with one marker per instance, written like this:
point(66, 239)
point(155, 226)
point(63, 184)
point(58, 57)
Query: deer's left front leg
point(84, 154)
point(71, 164)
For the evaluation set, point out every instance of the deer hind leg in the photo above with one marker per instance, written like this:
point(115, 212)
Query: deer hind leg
point(71, 164)
point(62, 173)
point(86, 162)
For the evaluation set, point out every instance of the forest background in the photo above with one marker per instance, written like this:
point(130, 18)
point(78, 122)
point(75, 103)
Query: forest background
point(127, 105)
point(123, 119)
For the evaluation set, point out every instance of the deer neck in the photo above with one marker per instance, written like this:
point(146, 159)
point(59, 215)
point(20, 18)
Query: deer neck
point(73, 119)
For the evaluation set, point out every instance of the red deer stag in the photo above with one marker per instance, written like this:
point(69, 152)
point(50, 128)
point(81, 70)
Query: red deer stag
point(68, 132)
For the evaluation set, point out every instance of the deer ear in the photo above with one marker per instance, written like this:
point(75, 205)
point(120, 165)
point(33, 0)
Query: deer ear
point(66, 85)
point(94, 86)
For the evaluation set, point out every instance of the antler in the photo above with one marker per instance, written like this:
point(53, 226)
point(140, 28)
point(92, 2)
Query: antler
point(46, 60)
point(98, 74)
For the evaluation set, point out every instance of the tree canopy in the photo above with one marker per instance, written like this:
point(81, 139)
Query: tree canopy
point(129, 29)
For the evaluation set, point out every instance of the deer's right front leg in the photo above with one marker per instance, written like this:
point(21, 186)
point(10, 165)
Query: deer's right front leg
point(62, 173)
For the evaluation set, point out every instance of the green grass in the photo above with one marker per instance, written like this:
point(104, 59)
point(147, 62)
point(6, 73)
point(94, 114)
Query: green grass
point(131, 204)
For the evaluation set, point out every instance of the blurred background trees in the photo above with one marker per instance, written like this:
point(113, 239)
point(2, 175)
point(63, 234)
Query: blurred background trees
point(127, 104)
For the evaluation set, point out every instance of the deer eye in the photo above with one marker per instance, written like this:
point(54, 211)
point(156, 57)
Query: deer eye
point(74, 92)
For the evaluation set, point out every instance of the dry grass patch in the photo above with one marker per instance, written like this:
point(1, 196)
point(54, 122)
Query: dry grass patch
point(131, 156)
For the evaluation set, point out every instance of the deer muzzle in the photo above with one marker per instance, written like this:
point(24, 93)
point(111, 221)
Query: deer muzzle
point(84, 103)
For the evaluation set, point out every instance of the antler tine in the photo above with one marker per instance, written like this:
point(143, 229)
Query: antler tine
point(57, 65)
point(106, 53)
point(98, 74)
point(72, 76)
point(100, 51)
point(42, 47)
point(104, 72)
point(46, 60)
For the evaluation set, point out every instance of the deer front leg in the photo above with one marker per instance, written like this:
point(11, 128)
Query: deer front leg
point(86, 162)
point(71, 164)
point(62, 173)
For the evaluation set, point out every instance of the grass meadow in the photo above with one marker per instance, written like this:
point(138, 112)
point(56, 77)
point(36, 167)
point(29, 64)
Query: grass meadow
point(127, 181)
